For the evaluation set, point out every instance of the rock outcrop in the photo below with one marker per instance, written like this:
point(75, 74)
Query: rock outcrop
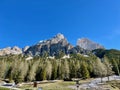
point(10, 50)
point(78, 49)
point(88, 44)
point(25, 48)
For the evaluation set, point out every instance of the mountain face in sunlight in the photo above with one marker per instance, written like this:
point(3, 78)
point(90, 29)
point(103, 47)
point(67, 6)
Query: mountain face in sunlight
point(88, 44)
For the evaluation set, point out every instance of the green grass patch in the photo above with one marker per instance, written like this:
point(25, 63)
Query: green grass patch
point(59, 85)
point(1, 88)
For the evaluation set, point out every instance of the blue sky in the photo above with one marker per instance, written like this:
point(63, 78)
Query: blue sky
point(25, 22)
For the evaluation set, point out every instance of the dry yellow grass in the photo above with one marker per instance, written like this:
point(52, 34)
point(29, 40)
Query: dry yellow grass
point(58, 85)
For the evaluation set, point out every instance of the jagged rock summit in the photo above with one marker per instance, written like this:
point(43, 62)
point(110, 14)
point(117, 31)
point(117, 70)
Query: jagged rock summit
point(25, 48)
point(51, 46)
point(88, 44)
point(58, 38)
point(10, 50)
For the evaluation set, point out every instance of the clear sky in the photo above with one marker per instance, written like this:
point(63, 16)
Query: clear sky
point(25, 22)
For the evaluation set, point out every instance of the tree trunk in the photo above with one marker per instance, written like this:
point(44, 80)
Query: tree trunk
point(108, 78)
point(101, 80)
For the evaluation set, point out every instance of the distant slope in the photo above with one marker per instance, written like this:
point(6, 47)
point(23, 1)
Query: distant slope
point(112, 53)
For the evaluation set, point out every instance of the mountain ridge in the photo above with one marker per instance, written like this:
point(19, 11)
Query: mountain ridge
point(52, 47)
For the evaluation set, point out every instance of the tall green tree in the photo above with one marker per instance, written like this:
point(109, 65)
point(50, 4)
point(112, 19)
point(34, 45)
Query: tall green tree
point(3, 68)
point(84, 71)
point(48, 70)
point(99, 69)
point(66, 69)
point(54, 70)
point(108, 66)
point(32, 71)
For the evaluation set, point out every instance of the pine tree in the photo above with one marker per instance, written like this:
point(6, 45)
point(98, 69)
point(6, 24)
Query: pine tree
point(72, 68)
point(59, 72)
point(99, 68)
point(32, 71)
point(48, 70)
point(43, 74)
point(54, 70)
point(3, 68)
point(108, 67)
point(84, 71)
point(66, 69)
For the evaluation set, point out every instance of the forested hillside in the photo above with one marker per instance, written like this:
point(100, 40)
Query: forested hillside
point(17, 68)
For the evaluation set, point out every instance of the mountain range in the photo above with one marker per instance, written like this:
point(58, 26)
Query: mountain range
point(53, 47)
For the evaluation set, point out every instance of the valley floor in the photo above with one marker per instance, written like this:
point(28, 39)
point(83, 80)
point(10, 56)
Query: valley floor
point(90, 84)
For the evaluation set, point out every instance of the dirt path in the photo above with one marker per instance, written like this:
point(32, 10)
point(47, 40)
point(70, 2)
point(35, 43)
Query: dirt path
point(96, 83)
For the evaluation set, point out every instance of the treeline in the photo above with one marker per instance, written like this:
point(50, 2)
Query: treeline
point(112, 55)
point(16, 68)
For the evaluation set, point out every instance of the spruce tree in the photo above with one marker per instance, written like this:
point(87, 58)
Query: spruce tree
point(84, 71)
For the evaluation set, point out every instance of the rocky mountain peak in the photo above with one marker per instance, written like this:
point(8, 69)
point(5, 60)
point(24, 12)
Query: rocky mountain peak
point(88, 44)
point(16, 48)
point(60, 36)
point(56, 39)
point(10, 50)
point(51, 46)
point(25, 48)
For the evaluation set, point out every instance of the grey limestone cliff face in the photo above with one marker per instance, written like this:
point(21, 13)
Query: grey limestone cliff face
point(10, 50)
point(51, 46)
point(78, 49)
point(25, 48)
point(88, 44)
